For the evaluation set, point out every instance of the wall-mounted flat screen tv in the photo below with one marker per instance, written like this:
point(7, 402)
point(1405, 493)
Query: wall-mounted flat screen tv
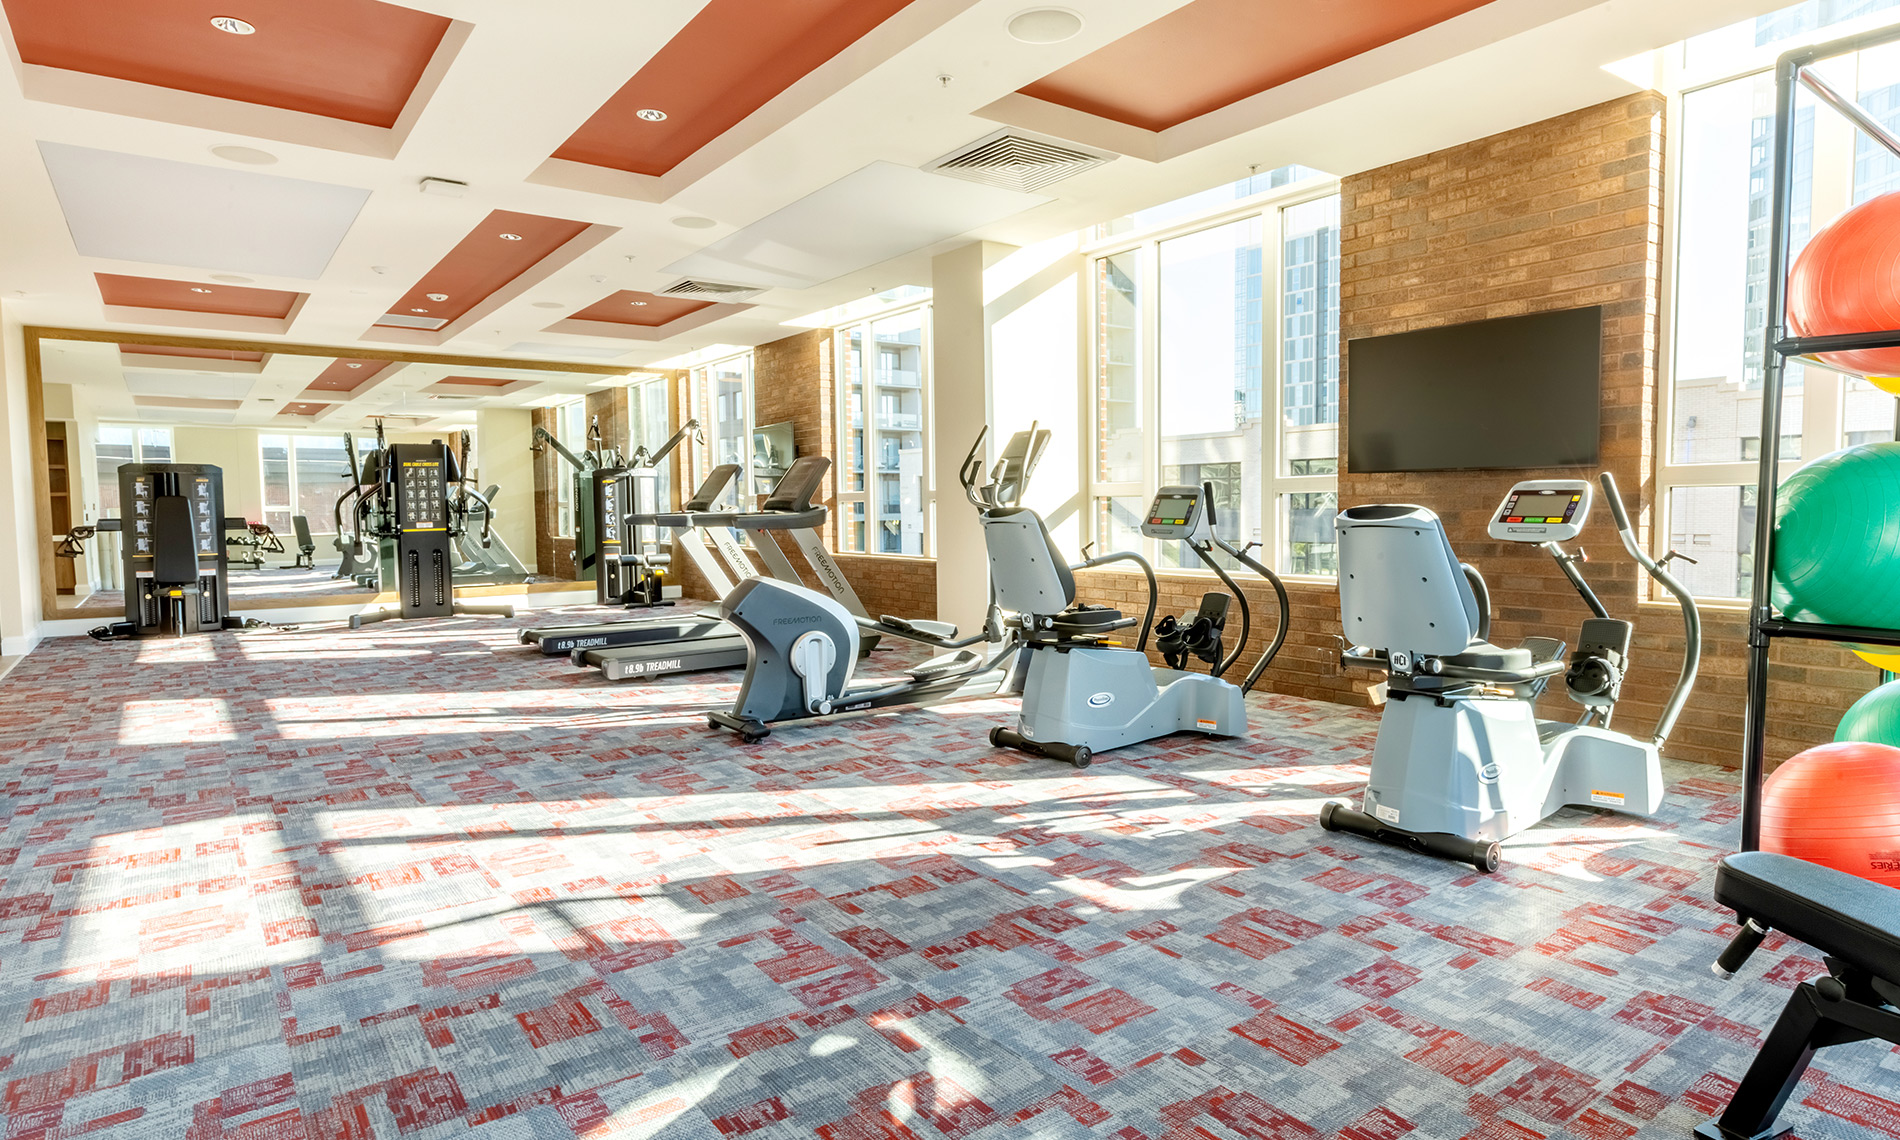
point(1516, 392)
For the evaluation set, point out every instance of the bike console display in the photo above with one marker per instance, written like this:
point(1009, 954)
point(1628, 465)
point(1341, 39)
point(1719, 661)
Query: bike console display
point(1177, 513)
point(1542, 510)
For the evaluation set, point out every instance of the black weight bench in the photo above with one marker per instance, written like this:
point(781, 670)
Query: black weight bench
point(1855, 924)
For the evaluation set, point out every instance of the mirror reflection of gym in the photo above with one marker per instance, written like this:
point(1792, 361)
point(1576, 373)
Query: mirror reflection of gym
point(287, 431)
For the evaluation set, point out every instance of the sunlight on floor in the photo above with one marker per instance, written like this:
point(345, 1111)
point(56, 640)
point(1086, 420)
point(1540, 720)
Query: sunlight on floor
point(175, 721)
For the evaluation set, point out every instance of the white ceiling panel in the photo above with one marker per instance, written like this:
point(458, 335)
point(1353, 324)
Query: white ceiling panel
point(186, 415)
point(869, 216)
point(536, 348)
point(196, 386)
point(131, 208)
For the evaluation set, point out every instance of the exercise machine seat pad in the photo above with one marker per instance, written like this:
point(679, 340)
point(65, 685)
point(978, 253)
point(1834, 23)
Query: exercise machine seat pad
point(1484, 655)
point(1844, 916)
point(175, 546)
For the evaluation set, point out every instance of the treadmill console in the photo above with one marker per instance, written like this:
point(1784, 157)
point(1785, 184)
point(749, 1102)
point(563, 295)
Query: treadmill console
point(1542, 510)
point(1177, 513)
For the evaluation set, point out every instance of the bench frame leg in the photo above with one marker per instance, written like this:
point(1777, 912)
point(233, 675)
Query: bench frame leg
point(1809, 1022)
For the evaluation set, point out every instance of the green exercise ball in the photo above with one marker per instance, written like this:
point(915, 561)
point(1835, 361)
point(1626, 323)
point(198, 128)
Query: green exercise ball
point(1875, 718)
point(1837, 539)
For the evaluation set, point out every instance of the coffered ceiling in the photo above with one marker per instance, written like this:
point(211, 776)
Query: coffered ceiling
point(492, 177)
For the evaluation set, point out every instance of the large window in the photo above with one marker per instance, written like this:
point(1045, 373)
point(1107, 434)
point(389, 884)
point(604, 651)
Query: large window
point(722, 401)
point(303, 475)
point(652, 413)
point(883, 374)
point(1221, 329)
point(570, 428)
point(116, 444)
point(1724, 127)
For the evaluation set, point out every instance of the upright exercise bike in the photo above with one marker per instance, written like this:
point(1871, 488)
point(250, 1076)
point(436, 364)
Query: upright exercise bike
point(1086, 692)
point(1462, 761)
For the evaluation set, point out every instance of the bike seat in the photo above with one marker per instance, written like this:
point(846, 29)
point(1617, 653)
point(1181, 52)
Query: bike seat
point(1083, 621)
point(1843, 916)
point(1484, 655)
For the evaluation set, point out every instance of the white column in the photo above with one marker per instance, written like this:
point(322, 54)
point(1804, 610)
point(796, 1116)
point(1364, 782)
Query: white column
point(502, 450)
point(959, 409)
point(19, 523)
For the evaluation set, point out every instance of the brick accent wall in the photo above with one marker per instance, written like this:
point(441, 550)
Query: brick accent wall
point(792, 382)
point(1560, 214)
point(554, 555)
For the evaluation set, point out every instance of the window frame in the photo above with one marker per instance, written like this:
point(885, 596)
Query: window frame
point(137, 431)
point(323, 524)
point(1823, 390)
point(564, 475)
point(699, 395)
point(873, 512)
point(1275, 485)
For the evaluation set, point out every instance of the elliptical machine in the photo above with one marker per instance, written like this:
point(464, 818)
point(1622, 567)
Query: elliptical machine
point(802, 646)
point(1462, 761)
point(1087, 693)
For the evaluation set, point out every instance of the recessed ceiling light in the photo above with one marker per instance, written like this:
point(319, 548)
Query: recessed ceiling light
point(418, 310)
point(511, 237)
point(248, 155)
point(639, 302)
point(230, 279)
point(651, 114)
point(267, 399)
point(199, 289)
point(691, 222)
point(437, 296)
point(354, 364)
point(1045, 25)
point(549, 305)
point(233, 25)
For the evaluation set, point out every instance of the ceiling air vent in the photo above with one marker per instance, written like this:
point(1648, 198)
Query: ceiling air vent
point(1018, 161)
point(696, 290)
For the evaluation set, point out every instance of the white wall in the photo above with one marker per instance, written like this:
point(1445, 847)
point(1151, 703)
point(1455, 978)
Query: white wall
point(503, 456)
point(960, 386)
point(19, 526)
point(234, 451)
point(1032, 303)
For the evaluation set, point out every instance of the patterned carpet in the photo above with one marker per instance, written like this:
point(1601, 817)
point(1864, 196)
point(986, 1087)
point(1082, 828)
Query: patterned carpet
point(419, 881)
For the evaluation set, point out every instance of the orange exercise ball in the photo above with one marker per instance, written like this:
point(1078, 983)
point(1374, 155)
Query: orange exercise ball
point(1847, 279)
point(1837, 805)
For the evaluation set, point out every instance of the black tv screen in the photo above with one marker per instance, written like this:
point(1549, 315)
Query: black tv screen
point(1511, 392)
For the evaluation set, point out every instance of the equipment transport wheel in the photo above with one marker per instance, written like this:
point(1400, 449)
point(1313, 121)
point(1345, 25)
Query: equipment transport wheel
point(1487, 859)
point(1081, 756)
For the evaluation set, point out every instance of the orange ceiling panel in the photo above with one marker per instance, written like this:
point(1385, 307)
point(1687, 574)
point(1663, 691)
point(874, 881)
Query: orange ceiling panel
point(193, 353)
point(729, 61)
point(357, 60)
point(648, 310)
point(346, 375)
point(502, 248)
point(300, 408)
point(1201, 57)
point(193, 297)
point(477, 381)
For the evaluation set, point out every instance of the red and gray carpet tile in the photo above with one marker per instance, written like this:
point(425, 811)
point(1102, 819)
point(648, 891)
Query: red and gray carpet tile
point(420, 881)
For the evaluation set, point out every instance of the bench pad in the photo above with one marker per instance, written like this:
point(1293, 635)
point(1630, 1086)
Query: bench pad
point(1841, 915)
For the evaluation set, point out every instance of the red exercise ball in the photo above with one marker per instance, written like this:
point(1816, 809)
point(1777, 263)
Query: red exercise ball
point(1847, 279)
point(1837, 805)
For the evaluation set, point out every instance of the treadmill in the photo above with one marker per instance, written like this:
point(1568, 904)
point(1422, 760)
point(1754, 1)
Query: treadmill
point(789, 509)
point(564, 639)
